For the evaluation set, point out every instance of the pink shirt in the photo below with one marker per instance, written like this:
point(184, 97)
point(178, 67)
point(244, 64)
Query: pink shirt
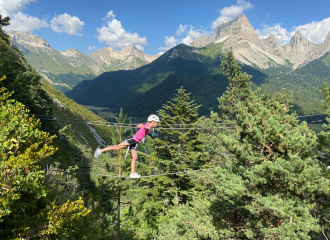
point(142, 133)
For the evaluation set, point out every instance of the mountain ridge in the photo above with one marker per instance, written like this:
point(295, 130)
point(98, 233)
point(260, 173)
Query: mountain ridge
point(250, 50)
point(64, 69)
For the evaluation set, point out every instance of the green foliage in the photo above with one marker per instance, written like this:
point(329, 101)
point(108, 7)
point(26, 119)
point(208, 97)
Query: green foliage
point(189, 221)
point(23, 147)
point(238, 89)
point(324, 136)
point(323, 206)
point(174, 150)
point(21, 79)
point(177, 149)
point(23, 202)
point(61, 220)
point(4, 21)
point(271, 189)
point(26, 198)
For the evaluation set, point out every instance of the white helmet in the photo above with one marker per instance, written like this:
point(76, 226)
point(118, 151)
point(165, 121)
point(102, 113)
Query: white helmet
point(153, 118)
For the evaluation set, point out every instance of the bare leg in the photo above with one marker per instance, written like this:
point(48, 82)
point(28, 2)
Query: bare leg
point(115, 147)
point(134, 157)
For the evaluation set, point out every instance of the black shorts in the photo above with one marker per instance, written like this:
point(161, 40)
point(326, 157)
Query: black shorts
point(131, 142)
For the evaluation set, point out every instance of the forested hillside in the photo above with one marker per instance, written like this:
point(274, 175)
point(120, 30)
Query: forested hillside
point(252, 172)
point(127, 88)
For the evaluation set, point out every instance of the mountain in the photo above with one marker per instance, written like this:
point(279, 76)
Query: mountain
point(75, 139)
point(197, 68)
point(181, 65)
point(262, 53)
point(65, 69)
point(126, 59)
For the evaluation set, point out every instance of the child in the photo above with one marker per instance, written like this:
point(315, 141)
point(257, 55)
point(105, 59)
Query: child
point(132, 142)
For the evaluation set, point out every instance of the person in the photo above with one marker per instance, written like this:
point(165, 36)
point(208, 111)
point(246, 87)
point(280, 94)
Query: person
point(132, 141)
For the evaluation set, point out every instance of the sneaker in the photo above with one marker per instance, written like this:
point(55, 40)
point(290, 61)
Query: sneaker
point(97, 152)
point(134, 175)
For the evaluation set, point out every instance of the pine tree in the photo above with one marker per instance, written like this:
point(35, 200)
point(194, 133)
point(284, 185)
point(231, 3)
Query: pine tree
point(174, 149)
point(237, 91)
point(323, 206)
point(269, 192)
point(177, 148)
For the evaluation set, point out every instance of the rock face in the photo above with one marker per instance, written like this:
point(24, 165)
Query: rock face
point(28, 38)
point(249, 49)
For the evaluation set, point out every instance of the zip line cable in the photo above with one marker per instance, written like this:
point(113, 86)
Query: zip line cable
point(106, 175)
point(317, 114)
point(111, 125)
point(122, 124)
point(158, 128)
point(127, 124)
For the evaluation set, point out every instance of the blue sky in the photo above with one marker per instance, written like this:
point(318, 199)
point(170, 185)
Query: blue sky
point(155, 26)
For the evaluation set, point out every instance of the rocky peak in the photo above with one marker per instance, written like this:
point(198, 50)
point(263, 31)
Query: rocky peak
point(130, 50)
point(327, 38)
point(28, 38)
point(300, 45)
point(298, 39)
point(271, 38)
point(240, 25)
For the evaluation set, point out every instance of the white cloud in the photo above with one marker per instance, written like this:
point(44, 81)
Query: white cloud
point(161, 53)
point(187, 40)
point(229, 13)
point(190, 35)
point(9, 7)
point(116, 36)
point(24, 23)
point(110, 15)
point(181, 29)
point(282, 35)
point(19, 20)
point(169, 43)
point(91, 48)
point(315, 31)
point(66, 23)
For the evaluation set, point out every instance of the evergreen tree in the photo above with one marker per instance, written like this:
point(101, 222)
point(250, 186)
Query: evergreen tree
point(269, 192)
point(177, 148)
point(323, 207)
point(238, 89)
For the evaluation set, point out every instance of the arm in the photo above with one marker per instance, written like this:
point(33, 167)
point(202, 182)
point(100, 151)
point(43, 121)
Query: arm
point(141, 125)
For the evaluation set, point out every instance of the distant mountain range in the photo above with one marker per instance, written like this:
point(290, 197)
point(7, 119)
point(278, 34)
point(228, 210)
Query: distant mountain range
point(263, 53)
point(128, 77)
point(197, 68)
point(65, 69)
